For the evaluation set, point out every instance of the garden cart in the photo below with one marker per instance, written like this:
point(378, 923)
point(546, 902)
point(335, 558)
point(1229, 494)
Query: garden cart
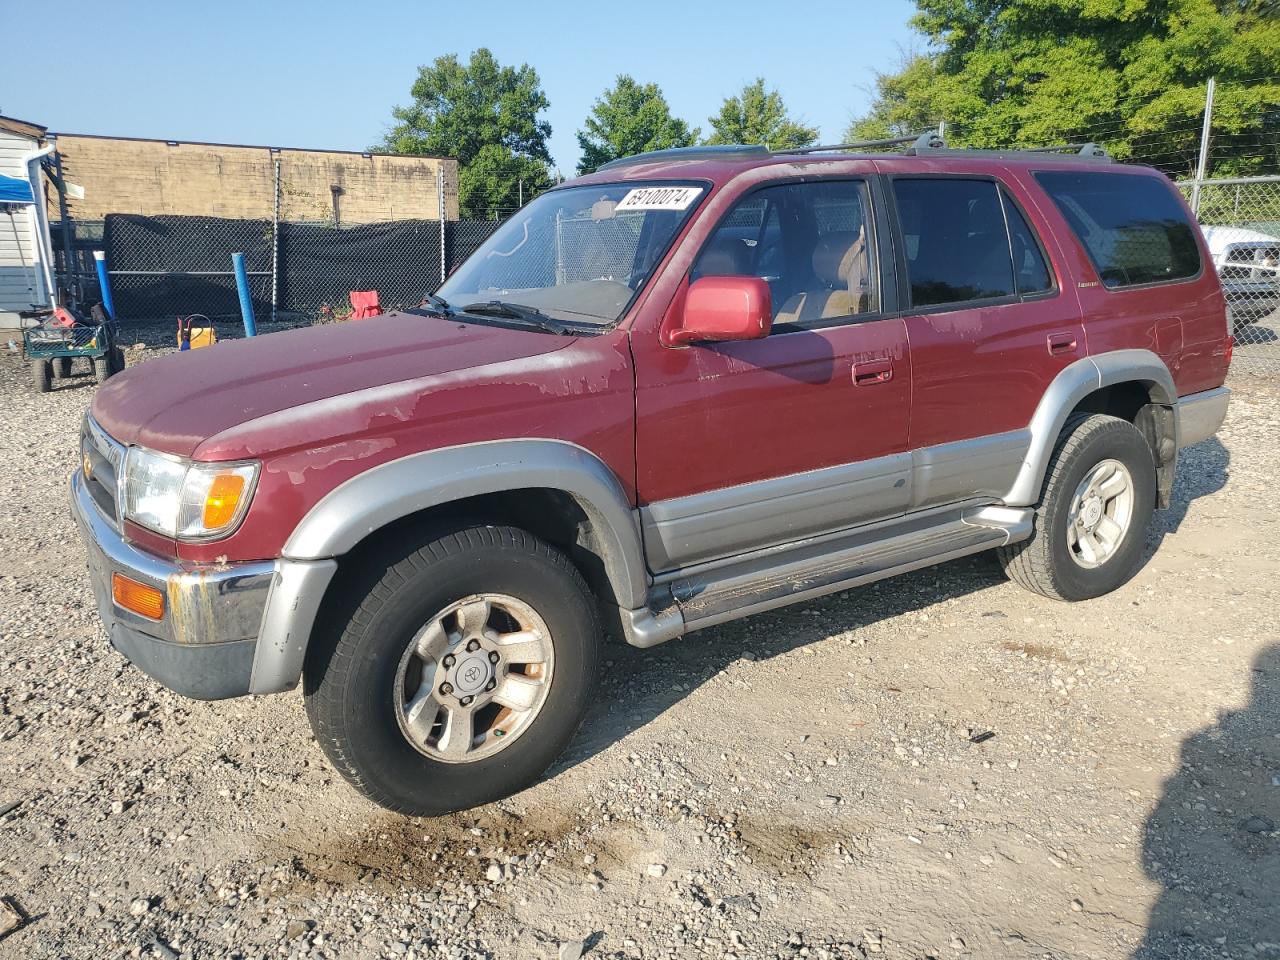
point(51, 347)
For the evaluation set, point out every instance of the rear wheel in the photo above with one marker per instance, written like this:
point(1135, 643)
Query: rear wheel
point(459, 675)
point(102, 368)
point(40, 375)
point(61, 368)
point(1090, 529)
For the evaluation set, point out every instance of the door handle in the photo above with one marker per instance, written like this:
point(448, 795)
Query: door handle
point(869, 372)
point(1062, 343)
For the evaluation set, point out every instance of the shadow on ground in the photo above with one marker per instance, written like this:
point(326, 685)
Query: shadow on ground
point(1202, 470)
point(1213, 842)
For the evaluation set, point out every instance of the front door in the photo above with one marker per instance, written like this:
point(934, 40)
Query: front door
point(744, 445)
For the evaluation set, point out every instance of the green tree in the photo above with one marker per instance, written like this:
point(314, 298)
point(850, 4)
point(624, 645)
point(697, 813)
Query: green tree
point(1130, 73)
point(630, 118)
point(487, 117)
point(902, 106)
point(757, 115)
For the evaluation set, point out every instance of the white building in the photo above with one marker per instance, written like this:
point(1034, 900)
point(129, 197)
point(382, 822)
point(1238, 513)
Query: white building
point(26, 262)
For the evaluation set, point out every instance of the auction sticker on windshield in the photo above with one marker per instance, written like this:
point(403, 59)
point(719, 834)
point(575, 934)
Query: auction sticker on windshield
point(658, 198)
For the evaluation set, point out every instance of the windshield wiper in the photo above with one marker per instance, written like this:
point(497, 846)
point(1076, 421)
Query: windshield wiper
point(516, 311)
point(438, 303)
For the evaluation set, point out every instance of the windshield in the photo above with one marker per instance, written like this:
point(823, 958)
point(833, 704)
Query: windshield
point(579, 254)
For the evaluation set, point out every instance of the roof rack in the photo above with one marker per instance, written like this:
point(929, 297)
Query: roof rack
point(931, 142)
point(1091, 150)
point(864, 144)
point(731, 151)
point(928, 143)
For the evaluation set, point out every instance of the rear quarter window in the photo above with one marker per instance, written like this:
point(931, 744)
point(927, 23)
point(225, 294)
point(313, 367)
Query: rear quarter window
point(1132, 226)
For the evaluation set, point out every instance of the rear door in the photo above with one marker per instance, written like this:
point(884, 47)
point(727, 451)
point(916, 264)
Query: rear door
point(989, 326)
point(744, 445)
point(1155, 287)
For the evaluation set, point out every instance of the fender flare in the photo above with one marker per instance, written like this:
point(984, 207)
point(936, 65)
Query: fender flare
point(1072, 384)
point(393, 490)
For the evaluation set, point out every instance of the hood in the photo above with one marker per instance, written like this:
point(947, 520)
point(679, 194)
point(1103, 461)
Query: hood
point(1220, 237)
point(175, 402)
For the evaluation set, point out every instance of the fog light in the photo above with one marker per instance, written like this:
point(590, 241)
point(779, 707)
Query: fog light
point(137, 597)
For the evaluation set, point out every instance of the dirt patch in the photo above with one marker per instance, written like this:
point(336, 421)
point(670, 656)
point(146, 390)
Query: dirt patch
point(428, 854)
point(1036, 651)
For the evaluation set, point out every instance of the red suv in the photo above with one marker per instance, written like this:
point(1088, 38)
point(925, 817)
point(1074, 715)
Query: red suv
point(692, 386)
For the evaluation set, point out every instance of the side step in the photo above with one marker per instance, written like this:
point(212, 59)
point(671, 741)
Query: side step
point(825, 565)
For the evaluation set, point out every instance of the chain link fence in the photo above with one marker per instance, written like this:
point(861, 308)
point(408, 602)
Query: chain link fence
point(1240, 218)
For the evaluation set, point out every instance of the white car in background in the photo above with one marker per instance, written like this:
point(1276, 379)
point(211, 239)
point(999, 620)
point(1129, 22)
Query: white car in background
point(1248, 264)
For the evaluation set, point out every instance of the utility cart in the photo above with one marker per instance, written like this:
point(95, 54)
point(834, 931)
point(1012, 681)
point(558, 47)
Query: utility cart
point(53, 346)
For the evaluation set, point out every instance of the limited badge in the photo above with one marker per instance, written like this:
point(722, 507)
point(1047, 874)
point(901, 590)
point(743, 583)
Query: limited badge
point(658, 198)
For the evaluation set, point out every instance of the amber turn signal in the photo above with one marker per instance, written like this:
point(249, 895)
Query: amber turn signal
point(137, 597)
point(223, 500)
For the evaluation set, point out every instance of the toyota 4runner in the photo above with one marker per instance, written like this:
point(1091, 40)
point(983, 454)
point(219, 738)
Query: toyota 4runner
point(692, 386)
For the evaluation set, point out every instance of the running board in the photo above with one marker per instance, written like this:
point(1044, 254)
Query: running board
point(824, 565)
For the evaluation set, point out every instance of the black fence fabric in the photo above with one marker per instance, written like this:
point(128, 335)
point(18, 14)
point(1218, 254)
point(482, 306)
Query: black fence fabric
point(166, 266)
point(320, 265)
point(161, 267)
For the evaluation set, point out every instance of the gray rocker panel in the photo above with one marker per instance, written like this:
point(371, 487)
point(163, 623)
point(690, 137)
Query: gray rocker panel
point(718, 523)
point(733, 520)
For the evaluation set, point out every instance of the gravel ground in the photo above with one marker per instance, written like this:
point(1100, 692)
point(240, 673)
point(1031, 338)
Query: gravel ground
point(815, 782)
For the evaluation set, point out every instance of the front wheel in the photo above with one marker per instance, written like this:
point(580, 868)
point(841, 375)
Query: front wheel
point(1089, 531)
point(459, 676)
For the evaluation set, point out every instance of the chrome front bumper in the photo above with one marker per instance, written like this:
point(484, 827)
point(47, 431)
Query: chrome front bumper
point(227, 630)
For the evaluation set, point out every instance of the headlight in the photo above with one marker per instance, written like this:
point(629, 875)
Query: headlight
point(178, 498)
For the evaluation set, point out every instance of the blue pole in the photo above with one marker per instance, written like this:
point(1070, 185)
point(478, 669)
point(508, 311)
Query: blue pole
point(242, 287)
point(100, 261)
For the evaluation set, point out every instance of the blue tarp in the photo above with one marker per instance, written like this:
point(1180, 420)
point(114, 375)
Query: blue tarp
point(13, 190)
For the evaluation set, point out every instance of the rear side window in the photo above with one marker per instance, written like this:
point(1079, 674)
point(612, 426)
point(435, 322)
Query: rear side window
point(1029, 268)
point(1132, 227)
point(957, 247)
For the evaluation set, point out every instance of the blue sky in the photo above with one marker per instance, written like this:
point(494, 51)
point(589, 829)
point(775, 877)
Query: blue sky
point(326, 75)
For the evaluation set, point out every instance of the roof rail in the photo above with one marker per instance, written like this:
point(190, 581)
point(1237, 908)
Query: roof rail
point(1080, 149)
point(856, 145)
point(729, 151)
point(931, 142)
point(920, 144)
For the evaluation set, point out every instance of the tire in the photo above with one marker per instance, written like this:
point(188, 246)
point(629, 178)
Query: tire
point(40, 371)
point(1077, 565)
point(356, 676)
point(102, 368)
point(61, 368)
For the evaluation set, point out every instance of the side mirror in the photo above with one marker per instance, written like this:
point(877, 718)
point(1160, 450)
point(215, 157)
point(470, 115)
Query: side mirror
point(725, 308)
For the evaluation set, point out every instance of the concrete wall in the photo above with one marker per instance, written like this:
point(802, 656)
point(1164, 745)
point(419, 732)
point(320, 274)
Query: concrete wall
point(152, 177)
point(22, 281)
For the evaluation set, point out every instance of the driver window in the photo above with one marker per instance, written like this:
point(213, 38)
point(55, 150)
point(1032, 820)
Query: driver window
point(809, 241)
